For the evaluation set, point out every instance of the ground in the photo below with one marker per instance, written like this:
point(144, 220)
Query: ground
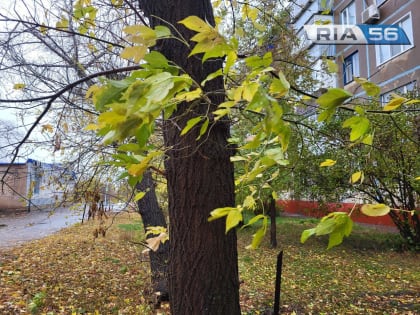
point(17, 227)
point(74, 272)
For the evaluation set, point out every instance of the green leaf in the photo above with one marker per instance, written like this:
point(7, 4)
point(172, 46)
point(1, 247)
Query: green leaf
point(212, 75)
point(255, 220)
point(129, 147)
point(257, 238)
point(326, 114)
point(325, 226)
point(191, 123)
point(162, 31)
point(370, 88)
point(143, 134)
point(368, 139)
point(306, 234)
point(359, 127)
point(334, 239)
point(156, 60)
point(233, 218)
point(333, 97)
point(279, 87)
point(219, 49)
point(336, 224)
point(375, 210)
point(277, 155)
point(219, 113)
point(255, 62)
point(203, 128)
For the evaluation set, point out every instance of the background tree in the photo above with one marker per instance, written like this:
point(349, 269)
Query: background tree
point(387, 167)
point(45, 50)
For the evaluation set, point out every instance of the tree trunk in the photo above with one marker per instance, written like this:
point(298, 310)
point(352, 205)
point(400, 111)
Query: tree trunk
point(273, 225)
point(152, 215)
point(203, 266)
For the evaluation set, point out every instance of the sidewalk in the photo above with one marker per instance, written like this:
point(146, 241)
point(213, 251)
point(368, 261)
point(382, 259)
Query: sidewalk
point(26, 226)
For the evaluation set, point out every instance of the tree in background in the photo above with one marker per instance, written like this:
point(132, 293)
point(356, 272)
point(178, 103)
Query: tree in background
point(383, 171)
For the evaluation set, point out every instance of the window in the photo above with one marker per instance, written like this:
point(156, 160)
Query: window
point(386, 52)
point(325, 5)
point(348, 15)
point(351, 67)
point(379, 2)
point(402, 90)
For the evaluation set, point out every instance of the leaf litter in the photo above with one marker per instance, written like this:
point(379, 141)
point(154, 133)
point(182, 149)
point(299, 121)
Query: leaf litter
point(72, 272)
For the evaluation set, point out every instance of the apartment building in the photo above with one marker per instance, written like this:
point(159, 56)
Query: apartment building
point(33, 184)
point(305, 12)
point(395, 68)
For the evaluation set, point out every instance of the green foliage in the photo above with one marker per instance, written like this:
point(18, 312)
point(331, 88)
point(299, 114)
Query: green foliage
point(336, 225)
point(37, 302)
point(262, 92)
point(330, 101)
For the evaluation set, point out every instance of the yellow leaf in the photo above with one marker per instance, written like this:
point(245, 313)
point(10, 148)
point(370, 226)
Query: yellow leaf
point(91, 47)
point(138, 169)
point(375, 210)
point(141, 34)
point(328, 162)
point(136, 53)
point(233, 218)
point(154, 242)
point(417, 178)
point(196, 24)
point(43, 29)
point(332, 66)
point(63, 23)
point(189, 96)
point(92, 127)
point(219, 213)
point(249, 202)
point(47, 128)
point(139, 196)
point(395, 102)
point(357, 176)
point(19, 86)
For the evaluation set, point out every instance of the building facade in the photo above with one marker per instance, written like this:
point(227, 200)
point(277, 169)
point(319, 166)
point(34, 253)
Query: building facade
point(395, 68)
point(33, 184)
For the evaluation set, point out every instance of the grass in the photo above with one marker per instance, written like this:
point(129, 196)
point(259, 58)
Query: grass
point(71, 272)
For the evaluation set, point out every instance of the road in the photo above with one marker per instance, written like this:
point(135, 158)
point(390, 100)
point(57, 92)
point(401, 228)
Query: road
point(16, 229)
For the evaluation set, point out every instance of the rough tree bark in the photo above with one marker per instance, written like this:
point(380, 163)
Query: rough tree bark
point(152, 215)
point(203, 267)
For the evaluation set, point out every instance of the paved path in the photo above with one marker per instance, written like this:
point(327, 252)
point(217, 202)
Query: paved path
point(19, 228)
